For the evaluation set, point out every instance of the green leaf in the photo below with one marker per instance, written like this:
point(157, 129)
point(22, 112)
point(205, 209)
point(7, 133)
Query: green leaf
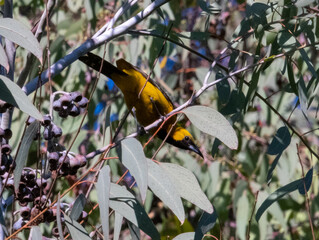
point(242, 216)
point(103, 196)
point(223, 89)
point(12, 93)
point(206, 222)
point(213, 123)
point(303, 96)
point(252, 87)
point(23, 153)
point(117, 226)
point(303, 3)
point(185, 236)
point(21, 35)
point(291, 76)
point(35, 233)
point(3, 59)
point(132, 156)
point(280, 141)
point(76, 230)
point(272, 168)
point(123, 202)
point(78, 207)
point(187, 186)
point(279, 193)
point(307, 182)
point(235, 104)
point(134, 231)
point(58, 217)
point(164, 188)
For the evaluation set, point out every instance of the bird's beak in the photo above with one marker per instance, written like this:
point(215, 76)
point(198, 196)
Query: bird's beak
point(195, 149)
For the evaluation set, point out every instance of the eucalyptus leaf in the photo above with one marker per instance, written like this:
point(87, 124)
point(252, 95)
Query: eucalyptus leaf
point(213, 123)
point(76, 230)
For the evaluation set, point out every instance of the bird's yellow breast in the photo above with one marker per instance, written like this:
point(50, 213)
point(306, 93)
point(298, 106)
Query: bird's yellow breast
point(151, 104)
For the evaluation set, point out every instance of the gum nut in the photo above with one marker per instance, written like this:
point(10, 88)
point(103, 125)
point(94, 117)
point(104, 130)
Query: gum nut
point(54, 156)
point(3, 170)
point(22, 186)
point(63, 113)
point(41, 183)
point(25, 213)
point(3, 109)
point(65, 100)
point(23, 203)
point(1, 132)
point(76, 96)
point(82, 160)
point(28, 197)
point(30, 120)
point(73, 171)
point(10, 182)
point(35, 191)
point(74, 163)
point(56, 131)
point(47, 134)
point(46, 121)
point(7, 105)
point(31, 175)
point(75, 111)
point(57, 105)
point(40, 200)
point(7, 134)
point(83, 103)
point(18, 224)
point(55, 232)
point(6, 149)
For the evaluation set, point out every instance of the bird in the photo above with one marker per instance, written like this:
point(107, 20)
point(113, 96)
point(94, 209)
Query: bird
point(149, 105)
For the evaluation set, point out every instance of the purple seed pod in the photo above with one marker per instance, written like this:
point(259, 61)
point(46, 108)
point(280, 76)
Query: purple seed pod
point(2, 109)
point(18, 224)
point(65, 100)
point(75, 111)
point(76, 96)
point(7, 134)
point(55, 232)
point(46, 121)
point(47, 133)
point(41, 183)
point(83, 103)
point(56, 131)
point(1, 133)
point(6, 149)
point(25, 213)
point(28, 197)
point(57, 105)
point(7, 105)
point(48, 216)
point(81, 159)
point(39, 201)
point(64, 113)
point(53, 157)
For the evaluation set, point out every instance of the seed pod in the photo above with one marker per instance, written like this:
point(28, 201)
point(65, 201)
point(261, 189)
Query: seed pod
point(47, 133)
point(57, 105)
point(28, 197)
point(56, 131)
point(7, 134)
point(75, 111)
point(39, 201)
point(34, 212)
point(83, 103)
point(55, 232)
point(42, 183)
point(46, 121)
point(74, 163)
point(23, 203)
point(30, 175)
point(53, 157)
point(6, 149)
point(76, 96)
point(65, 100)
point(48, 216)
point(25, 213)
point(18, 224)
point(3, 109)
point(81, 159)
point(7, 105)
point(64, 113)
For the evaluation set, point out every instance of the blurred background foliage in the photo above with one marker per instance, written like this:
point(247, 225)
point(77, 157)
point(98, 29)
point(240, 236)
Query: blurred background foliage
point(265, 33)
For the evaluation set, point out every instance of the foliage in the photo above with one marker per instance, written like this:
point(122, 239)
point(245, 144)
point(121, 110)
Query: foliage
point(78, 163)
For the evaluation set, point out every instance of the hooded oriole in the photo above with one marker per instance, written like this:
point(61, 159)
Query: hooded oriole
point(152, 103)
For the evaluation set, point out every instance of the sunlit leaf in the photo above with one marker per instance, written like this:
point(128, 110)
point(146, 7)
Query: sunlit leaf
point(187, 186)
point(163, 187)
point(35, 233)
point(3, 59)
point(103, 195)
point(242, 216)
point(185, 236)
point(132, 156)
point(21, 35)
point(12, 93)
point(117, 226)
point(213, 123)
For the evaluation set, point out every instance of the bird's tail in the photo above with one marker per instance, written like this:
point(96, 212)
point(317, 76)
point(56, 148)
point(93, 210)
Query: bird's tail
point(95, 62)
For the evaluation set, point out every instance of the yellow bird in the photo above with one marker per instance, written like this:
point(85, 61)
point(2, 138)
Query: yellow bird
point(152, 104)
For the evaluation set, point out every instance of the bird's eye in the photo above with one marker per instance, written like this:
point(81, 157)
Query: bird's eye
point(186, 138)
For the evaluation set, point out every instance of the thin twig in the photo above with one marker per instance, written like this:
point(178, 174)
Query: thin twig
point(251, 216)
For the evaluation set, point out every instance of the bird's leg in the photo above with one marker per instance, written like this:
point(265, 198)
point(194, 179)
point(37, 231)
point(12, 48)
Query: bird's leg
point(139, 128)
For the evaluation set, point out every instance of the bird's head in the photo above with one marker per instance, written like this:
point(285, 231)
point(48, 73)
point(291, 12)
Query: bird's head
point(181, 138)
